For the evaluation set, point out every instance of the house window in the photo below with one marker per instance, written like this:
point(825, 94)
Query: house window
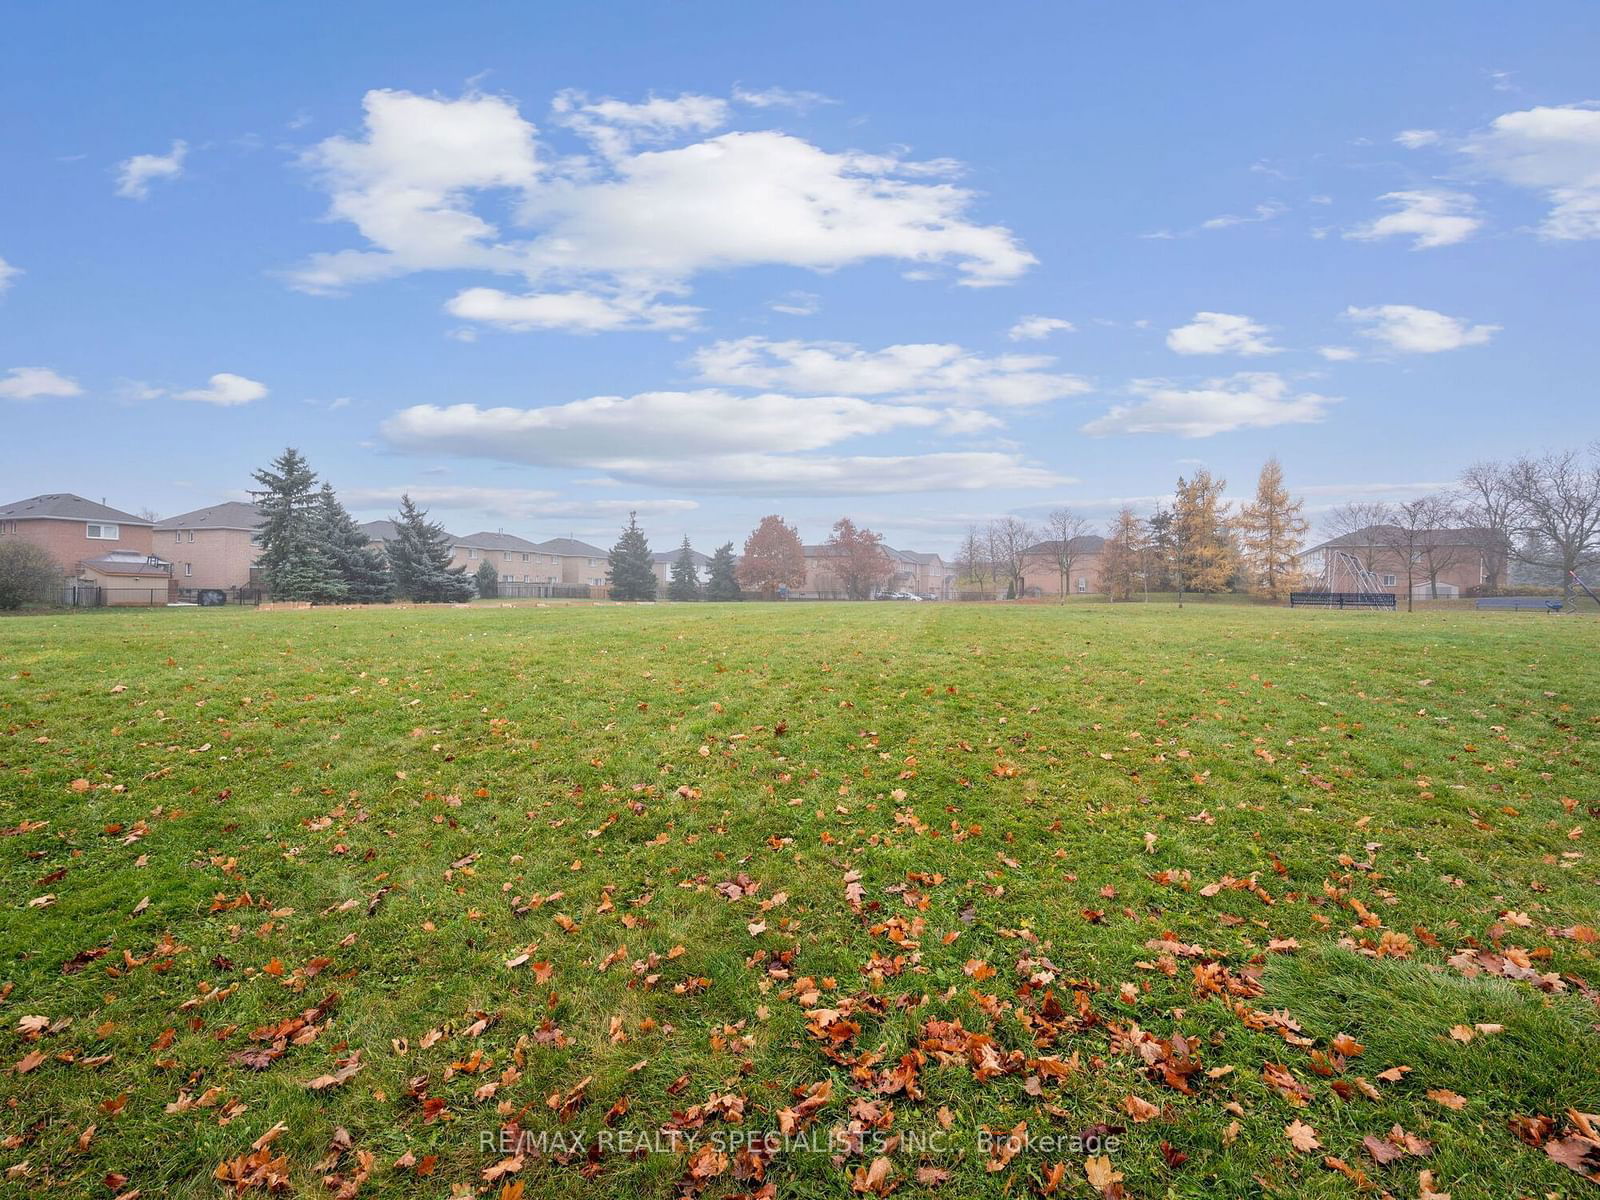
point(177, 535)
point(524, 558)
point(1389, 581)
point(508, 555)
point(1083, 584)
point(103, 533)
point(471, 553)
point(188, 568)
point(191, 535)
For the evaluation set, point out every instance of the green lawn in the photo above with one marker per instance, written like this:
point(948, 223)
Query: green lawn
point(596, 872)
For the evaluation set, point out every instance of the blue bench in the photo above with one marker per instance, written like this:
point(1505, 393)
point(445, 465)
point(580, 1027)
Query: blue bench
point(1544, 604)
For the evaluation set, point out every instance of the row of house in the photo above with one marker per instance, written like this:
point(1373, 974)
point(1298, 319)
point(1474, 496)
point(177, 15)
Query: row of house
point(217, 547)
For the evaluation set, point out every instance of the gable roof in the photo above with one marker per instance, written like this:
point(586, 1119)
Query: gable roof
point(671, 556)
point(1086, 543)
point(384, 531)
point(65, 506)
point(1392, 535)
point(572, 548)
point(232, 514)
point(485, 540)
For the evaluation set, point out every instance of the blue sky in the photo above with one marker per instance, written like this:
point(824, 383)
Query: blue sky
point(911, 263)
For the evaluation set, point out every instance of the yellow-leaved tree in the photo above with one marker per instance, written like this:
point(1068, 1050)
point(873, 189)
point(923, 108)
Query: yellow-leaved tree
point(1205, 556)
point(1271, 530)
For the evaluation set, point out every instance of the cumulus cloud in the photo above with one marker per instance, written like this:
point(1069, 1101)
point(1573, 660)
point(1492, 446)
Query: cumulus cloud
point(1555, 150)
point(635, 222)
point(136, 174)
point(1247, 400)
point(1033, 329)
point(1413, 330)
point(1221, 333)
point(226, 390)
point(1430, 218)
point(929, 373)
point(574, 311)
point(35, 383)
point(7, 274)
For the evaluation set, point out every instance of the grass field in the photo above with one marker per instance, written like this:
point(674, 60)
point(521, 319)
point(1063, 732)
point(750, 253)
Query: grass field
point(1209, 900)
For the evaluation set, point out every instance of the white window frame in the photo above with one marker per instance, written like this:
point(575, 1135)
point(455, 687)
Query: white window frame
point(96, 531)
point(188, 570)
point(1390, 581)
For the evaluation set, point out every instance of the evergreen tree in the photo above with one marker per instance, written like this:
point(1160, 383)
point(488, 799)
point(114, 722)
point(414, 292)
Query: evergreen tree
point(1272, 530)
point(362, 570)
point(487, 579)
point(722, 581)
point(632, 575)
point(1160, 541)
point(685, 583)
point(419, 556)
point(294, 563)
point(1204, 554)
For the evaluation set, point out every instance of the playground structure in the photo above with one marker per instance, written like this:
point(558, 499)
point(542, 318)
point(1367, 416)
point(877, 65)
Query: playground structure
point(1344, 583)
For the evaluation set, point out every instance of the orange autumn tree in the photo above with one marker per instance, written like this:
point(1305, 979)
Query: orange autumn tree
point(859, 559)
point(773, 558)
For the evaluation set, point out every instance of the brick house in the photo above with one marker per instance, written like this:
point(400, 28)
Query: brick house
point(580, 562)
point(515, 559)
point(74, 530)
point(1041, 568)
point(1438, 562)
point(920, 573)
point(661, 563)
point(213, 547)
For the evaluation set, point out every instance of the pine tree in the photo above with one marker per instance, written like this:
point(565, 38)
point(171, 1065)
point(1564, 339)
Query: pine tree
point(1272, 530)
point(294, 565)
point(722, 580)
point(1122, 559)
point(487, 579)
point(685, 583)
point(362, 570)
point(632, 575)
point(1204, 554)
point(419, 556)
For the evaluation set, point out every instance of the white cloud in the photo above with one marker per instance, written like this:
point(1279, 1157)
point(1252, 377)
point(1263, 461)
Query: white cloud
point(1271, 210)
point(777, 97)
point(576, 312)
point(797, 304)
point(1247, 400)
point(33, 383)
point(1415, 139)
point(1432, 218)
point(1221, 333)
point(632, 224)
point(1338, 353)
point(757, 474)
point(516, 503)
point(136, 174)
point(615, 126)
point(1555, 150)
point(7, 274)
point(1413, 330)
point(226, 390)
point(924, 373)
point(1033, 329)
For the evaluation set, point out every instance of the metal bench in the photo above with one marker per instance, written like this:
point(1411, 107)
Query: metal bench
point(1545, 604)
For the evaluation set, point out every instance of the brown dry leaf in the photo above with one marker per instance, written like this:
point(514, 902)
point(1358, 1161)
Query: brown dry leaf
point(1446, 1097)
point(1140, 1110)
point(1425, 1188)
point(1101, 1174)
point(1302, 1136)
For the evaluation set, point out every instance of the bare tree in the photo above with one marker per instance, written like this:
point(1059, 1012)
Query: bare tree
point(1065, 529)
point(1490, 509)
point(1442, 545)
point(1359, 517)
point(1556, 511)
point(1009, 539)
point(972, 562)
point(1410, 537)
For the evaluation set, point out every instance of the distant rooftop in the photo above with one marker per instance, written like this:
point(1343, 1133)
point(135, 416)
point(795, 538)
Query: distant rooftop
point(64, 506)
point(384, 531)
point(497, 541)
point(1391, 535)
point(572, 548)
point(671, 556)
point(232, 514)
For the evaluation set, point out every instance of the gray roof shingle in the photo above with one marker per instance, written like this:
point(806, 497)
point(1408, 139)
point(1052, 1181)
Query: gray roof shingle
point(64, 506)
point(231, 514)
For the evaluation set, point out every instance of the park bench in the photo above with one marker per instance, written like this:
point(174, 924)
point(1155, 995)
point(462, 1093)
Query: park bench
point(1546, 604)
